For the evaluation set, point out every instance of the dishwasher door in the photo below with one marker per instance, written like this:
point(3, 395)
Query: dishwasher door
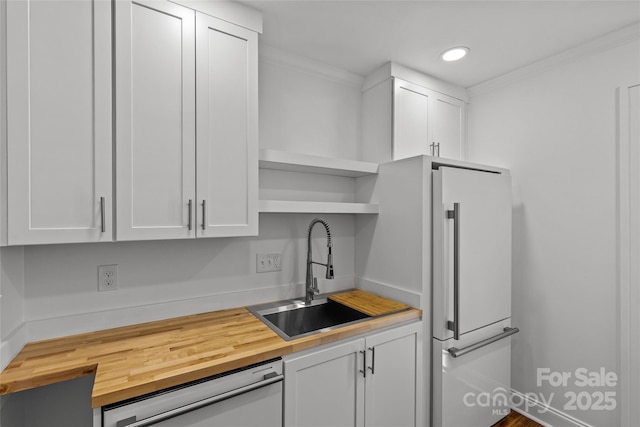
point(248, 397)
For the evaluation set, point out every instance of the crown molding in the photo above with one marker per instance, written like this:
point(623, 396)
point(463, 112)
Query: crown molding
point(273, 55)
point(603, 43)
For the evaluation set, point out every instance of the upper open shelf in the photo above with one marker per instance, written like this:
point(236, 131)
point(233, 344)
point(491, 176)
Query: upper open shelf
point(290, 206)
point(308, 163)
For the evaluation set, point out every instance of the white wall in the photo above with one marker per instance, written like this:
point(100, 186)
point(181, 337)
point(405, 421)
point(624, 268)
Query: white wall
point(556, 131)
point(308, 107)
point(160, 279)
point(12, 328)
point(12, 331)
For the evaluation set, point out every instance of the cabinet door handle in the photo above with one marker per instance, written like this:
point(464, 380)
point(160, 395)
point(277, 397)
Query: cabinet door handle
point(438, 147)
point(364, 363)
point(103, 226)
point(373, 360)
point(432, 148)
point(204, 215)
point(190, 204)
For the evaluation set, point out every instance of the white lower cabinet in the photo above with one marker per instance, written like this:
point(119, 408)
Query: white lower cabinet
point(367, 381)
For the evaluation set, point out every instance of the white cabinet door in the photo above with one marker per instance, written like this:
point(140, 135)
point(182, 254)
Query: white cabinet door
point(155, 120)
point(392, 396)
point(227, 128)
point(426, 122)
point(325, 387)
point(448, 120)
point(411, 113)
point(59, 116)
point(329, 387)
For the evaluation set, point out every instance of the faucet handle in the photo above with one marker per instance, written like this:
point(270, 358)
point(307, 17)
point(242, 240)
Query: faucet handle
point(315, 286)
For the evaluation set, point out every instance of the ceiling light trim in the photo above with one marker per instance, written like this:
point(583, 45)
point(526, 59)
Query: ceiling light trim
point(455, 53)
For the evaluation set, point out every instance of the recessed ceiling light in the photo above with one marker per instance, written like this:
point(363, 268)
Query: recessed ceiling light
point(454, 53)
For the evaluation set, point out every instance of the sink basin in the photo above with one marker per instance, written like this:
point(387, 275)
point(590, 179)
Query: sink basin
point(293, 319)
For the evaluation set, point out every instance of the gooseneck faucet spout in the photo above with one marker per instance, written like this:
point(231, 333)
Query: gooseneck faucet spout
point(311, 282)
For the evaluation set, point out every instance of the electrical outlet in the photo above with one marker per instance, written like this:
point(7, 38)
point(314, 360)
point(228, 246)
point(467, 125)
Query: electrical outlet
point(268, 262)
point(107, 277)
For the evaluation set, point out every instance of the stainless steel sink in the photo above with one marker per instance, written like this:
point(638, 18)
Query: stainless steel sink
point(294, 319)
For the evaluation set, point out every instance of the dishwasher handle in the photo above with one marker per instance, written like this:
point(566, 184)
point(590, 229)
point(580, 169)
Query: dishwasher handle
point(271, 378)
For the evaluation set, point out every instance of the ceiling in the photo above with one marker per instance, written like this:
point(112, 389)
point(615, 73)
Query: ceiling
point(361, 35)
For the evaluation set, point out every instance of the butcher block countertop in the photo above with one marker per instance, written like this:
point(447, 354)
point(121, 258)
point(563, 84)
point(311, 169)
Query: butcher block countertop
point(134, 360)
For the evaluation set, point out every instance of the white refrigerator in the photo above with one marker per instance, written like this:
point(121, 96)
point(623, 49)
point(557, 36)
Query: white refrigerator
point(471, 378)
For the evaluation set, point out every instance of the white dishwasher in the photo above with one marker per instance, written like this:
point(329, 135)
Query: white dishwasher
point(250, 396)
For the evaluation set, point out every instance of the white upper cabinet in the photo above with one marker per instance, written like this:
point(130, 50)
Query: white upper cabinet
point(448, 126)
point(59, 143)
point(426, 122)
point(407, 114)
point(227, 128)
point(174, 68)
point(155, 120)
point(412, 111)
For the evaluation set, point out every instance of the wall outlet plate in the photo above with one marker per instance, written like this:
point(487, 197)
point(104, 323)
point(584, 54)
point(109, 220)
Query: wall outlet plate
point(107, 277)
point(268, 262)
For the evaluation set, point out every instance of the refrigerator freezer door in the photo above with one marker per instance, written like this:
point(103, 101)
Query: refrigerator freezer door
point(483, 249)
point(472, 390)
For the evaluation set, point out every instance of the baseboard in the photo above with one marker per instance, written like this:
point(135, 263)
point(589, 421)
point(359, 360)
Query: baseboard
point(12, 344)
point(542, 413)
point(414, 299)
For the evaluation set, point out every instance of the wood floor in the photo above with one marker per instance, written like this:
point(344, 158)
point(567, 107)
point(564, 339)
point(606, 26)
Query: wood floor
point(514, 419)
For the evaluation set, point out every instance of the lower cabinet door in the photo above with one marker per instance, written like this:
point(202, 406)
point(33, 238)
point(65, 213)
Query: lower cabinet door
point(325, 387)
point(370, 381)
point(394, 365)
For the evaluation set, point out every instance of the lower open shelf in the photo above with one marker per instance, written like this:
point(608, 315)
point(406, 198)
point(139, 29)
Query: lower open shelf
point(289, 206)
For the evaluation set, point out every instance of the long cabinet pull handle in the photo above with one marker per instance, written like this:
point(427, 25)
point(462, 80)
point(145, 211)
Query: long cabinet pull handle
point(202, 403)
point(190, 204)
point(455, 324)
point(457, 352)
point(363, 371)
point(373, 360)
point(438, 147)
point(103, 226)
point(432, 148)
point(204, 213)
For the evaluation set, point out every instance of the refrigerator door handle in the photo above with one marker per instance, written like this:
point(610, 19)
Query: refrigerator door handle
point(456, 352)
point(455, 324)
